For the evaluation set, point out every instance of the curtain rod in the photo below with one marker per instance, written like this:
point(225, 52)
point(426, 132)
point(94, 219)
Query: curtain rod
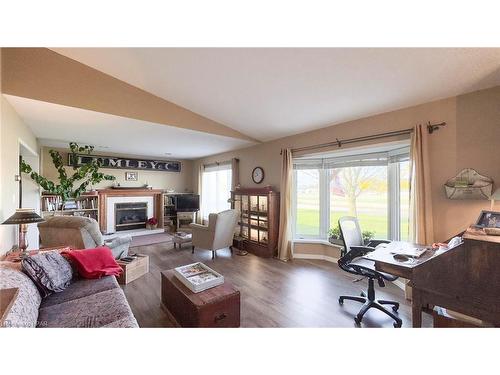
point(339, 142)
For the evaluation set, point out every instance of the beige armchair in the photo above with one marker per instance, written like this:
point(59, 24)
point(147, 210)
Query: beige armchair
point(218, 234)
point(79, 232)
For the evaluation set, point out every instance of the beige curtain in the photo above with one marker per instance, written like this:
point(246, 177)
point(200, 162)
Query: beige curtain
point(421, 223)
point(285, 245)
point(199, 216)
point(235, 173)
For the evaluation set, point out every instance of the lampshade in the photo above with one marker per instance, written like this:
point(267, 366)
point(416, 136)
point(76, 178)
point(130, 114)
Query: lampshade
point(24, 216)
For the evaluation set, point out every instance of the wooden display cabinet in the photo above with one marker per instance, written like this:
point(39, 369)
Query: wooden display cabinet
point(258, 223)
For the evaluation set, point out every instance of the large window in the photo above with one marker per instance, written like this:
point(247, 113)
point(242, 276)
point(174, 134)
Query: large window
point(216, 189)
point(373, 186)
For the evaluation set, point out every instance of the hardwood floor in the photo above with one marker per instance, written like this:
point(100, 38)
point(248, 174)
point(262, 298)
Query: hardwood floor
point(302, 293)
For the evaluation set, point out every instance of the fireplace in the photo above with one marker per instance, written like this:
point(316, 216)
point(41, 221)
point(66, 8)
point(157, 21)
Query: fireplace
point(131, 215)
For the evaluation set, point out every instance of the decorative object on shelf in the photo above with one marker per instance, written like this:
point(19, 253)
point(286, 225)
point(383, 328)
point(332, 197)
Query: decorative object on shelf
point(469, 184)
point(495, 197)
point(152, 223)
point(23, 217)
point(125, 163)
point(85, 175)
point(131, 176)
point(258, 175)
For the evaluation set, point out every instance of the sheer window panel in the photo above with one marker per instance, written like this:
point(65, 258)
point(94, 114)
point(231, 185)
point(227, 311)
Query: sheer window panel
point(216, 189)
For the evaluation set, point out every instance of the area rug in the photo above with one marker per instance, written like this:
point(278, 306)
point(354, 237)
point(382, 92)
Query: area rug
point(151, 239)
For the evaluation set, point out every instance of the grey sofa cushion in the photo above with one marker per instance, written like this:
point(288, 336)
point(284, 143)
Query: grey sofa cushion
point(50, 271)
point(106, 308)
point(81, 288)
point(24, 311)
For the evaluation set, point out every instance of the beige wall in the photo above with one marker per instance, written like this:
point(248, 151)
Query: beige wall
point(13, 132)
point(181, 182)
point(470, 139)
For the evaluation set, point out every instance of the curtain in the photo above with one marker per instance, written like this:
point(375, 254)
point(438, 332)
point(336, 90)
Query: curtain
point(285, 245)
point(421, 223)
point(199, 216)
point(235, 178)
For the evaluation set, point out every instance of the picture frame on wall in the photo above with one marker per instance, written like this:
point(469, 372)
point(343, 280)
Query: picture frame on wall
point(131, 176)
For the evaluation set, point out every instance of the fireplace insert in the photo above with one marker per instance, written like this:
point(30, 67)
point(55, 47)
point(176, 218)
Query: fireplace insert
point(131, 216)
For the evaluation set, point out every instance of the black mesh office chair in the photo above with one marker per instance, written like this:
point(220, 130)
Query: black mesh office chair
point(353, 262)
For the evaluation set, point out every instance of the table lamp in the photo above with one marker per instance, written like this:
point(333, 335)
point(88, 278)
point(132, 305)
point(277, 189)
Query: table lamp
point(495, 197)
point(23, 217)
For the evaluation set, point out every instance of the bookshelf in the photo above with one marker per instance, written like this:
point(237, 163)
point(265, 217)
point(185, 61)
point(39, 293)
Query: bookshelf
point(86, 205)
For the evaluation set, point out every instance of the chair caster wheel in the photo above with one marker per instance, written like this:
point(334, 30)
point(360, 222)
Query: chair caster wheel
point(357, 321)
point(397, 324)
point(395, 308)
point(341, 301)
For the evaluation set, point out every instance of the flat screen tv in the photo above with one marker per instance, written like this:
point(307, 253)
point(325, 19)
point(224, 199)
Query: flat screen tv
point(187, 203)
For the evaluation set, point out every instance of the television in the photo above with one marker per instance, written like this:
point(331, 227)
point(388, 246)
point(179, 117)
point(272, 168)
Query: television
point(187, 203)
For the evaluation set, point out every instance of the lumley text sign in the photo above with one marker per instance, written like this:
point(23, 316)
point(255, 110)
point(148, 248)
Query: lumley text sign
point(127, 163)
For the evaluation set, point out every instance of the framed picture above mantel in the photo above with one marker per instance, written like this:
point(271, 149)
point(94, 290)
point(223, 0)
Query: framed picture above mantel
point(115, 162)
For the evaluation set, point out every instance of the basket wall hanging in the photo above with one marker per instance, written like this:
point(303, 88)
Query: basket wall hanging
point(469, 184)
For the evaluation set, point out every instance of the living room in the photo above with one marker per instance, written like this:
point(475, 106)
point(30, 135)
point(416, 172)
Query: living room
point(201, 187)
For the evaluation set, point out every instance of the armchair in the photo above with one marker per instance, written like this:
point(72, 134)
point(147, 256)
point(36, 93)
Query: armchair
point(79, 233)
point(218, 234)
point(353, 262)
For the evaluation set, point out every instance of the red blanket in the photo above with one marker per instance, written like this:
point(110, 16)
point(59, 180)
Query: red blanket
point(94, 263)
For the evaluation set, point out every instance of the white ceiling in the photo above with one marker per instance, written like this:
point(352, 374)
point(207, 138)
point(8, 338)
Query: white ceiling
point(271, 93)
point(56, 125)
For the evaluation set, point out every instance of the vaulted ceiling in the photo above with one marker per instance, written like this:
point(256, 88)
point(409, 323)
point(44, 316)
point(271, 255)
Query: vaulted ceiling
point(268, 93)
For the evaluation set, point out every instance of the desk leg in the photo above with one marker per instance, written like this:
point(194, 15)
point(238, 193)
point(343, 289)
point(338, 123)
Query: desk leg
point(416, 309)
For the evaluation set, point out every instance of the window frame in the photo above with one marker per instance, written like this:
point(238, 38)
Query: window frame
point(214, 167)
point(394, 159)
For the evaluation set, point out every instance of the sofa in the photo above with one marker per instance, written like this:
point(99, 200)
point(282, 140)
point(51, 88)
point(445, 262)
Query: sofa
point(218, 234)
point(90, 303)
point(79, 232)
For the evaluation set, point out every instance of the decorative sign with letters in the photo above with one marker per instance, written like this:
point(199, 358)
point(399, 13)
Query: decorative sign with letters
point(127, 163)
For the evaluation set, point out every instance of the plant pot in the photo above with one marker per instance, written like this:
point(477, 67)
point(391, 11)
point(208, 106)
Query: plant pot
point(336, 241)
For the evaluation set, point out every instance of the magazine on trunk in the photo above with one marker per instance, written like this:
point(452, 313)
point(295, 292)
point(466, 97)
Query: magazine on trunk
point(198, 277)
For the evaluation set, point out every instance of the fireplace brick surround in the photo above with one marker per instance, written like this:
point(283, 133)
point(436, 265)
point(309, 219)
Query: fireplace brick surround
point(155, 194)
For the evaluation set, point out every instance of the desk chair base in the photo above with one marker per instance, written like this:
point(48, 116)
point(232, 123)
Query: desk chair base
point(369, 302)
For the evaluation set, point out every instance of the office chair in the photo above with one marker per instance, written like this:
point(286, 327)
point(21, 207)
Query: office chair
point(353, 263)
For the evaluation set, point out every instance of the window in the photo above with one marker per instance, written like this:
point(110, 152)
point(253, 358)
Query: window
point(216, 188)
point(373, 186)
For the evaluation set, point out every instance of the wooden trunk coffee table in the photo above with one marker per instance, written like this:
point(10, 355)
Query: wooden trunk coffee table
point(214, 307)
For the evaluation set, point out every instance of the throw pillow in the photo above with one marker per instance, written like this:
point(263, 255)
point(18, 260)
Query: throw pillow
point(50, 271)
point(95, 263)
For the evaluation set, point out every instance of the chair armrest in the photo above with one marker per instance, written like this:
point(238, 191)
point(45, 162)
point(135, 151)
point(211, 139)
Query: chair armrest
point(375, 243)
point(198, 226)
point(117, 241)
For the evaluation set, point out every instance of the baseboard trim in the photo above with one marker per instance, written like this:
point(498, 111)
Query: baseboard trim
point(315, 256)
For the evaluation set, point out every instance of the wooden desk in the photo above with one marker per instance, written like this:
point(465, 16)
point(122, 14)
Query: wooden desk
point(385, 262)
point(7, 299)
point(464, 279)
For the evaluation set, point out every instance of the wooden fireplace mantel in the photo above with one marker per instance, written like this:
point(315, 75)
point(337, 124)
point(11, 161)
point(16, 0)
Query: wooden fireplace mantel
point(157, 194)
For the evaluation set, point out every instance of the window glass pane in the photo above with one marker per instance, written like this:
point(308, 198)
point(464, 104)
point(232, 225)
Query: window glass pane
point(404, 200)
point(216, 190)
point(307, 203)
point(360, 192)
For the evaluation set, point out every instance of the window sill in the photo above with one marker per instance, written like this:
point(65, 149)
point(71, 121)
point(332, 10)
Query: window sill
point(315, 241)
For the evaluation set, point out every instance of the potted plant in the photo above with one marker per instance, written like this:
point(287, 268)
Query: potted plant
point(72, 186)
point(367, 236)
point(152, 223)
point(335, 236)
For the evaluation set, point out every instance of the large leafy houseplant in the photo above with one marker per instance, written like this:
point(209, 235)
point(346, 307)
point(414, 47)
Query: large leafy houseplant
point(69, 187)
